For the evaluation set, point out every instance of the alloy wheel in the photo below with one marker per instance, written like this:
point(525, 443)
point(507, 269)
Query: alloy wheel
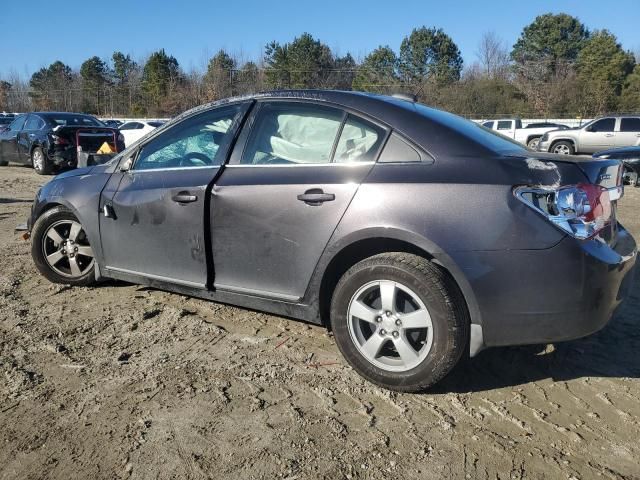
point(67, 250)
point(38, 159)
point(562, 150)
point(390, 326)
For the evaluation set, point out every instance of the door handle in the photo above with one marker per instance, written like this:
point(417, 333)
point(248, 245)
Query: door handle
point(316, 197)
point(184, 197)
point(609, 135)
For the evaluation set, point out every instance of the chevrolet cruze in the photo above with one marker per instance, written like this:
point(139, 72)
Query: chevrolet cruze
point(416, 236)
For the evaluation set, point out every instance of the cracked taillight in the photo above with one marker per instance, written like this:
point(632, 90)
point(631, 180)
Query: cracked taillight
point(580, 210)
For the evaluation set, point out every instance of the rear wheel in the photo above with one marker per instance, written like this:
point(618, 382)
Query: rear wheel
point(397, 320)
point(533, 143)
point(40, 162)
point(563, 148)
point(60, 248)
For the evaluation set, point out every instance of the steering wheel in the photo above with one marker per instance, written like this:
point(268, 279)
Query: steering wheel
point(195, 159)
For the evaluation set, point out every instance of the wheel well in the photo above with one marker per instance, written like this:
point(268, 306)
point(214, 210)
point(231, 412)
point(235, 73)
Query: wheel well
point(555, 142)
point(358, 251)
point(531, 137)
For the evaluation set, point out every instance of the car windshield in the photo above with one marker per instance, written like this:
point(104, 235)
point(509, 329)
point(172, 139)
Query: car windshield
point(71, 119)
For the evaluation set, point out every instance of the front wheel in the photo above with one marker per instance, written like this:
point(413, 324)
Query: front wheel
point(60, 248)
point(399, 321)
point(40, 162)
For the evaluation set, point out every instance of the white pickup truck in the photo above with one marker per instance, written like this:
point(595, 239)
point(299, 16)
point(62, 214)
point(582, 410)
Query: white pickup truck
point(529, 135)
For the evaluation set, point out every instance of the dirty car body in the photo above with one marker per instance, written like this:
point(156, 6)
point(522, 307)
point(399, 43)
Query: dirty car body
point(275, 234)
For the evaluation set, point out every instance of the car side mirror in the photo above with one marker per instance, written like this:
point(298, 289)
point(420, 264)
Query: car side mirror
point(127, 164)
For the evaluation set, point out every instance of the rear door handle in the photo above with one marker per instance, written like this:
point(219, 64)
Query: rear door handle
point(316, 197)
point(609, 135)
point(184, 197)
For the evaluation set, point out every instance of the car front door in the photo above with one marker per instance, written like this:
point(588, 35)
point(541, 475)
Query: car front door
point(152, 219)
point(292, 175)
point(628, 134)
point(9, 140)
point(598, 136)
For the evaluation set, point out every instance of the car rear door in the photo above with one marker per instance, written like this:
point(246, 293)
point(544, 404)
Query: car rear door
point(600, 135)
point(506, 127)
point(27, 136)
point(292, 175)
point(153, 215)
point(628, 133)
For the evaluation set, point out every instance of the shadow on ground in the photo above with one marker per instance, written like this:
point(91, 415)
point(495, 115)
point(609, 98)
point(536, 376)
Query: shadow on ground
point(613, 352)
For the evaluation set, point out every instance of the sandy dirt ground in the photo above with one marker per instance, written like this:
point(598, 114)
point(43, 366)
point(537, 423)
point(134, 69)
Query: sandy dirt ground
point(121, 381)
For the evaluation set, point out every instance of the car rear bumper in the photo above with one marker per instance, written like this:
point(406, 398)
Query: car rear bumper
point(539, 296)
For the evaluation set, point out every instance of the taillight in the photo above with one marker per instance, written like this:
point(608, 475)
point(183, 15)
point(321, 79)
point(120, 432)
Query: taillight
point(59, 140)
point(580, 210)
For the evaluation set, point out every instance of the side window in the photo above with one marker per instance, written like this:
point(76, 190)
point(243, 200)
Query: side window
point(127, 126)
point(359, 141)
point(33, 123)
point(630, 125)
point(604, 125)
point(292, 133)
point(138, 126)
point(504, 125)
point(397, 150)
point(17, 124)
point(488, 125)
point(194, 142)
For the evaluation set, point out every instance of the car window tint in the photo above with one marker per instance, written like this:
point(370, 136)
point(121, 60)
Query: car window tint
point(33, 123)
point(155, 124)
point(194, 142)
point(18, 123)
point(359, 141)
point(138, 126)
point(504, 125)
point(292, 133)
point(70, 119)
point(397, 150)
point(630, 125)
point(128, 126)
point(488, 124)
point(604, 125)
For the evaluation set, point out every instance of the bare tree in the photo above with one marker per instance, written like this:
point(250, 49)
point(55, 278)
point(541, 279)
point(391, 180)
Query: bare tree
point(493, 55)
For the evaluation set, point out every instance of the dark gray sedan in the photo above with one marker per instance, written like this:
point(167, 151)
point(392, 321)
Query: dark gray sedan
point(416, 236)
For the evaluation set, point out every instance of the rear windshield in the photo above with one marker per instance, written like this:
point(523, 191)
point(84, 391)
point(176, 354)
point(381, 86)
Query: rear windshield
point(486, 137)
point(155, 124)
point(72, 119)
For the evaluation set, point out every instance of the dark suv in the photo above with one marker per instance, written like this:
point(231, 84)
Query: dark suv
point(413, 234)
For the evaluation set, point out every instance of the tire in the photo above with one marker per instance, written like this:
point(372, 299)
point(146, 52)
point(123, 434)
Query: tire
point(40, 162)
point(532, 143)
point(3, 163)
point(436, 348)
point(563, 148)
point(53, 258)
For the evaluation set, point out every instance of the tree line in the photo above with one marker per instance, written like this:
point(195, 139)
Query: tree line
point(556, 68)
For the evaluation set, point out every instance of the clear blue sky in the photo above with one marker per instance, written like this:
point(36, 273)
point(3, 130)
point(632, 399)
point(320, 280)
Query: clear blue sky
point(192, 30)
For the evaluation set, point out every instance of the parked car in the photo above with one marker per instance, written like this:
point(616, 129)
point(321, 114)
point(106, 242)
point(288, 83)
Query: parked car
point(630, 157)
point(50, 141)
point(603, 133)
point(134, 131)
point(112, 123)
point(4, 122)
point(512, 128)
point(414, 234)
